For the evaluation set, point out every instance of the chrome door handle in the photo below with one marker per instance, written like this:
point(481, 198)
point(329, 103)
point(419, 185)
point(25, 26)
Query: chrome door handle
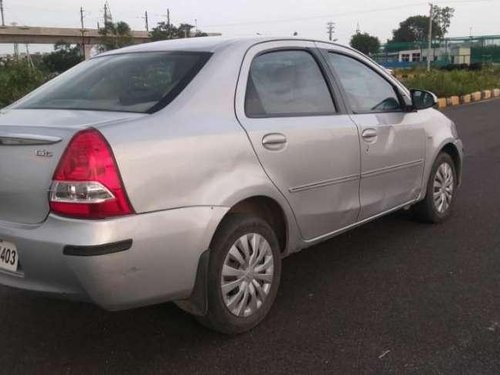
point(274, 141)
point(369, 134)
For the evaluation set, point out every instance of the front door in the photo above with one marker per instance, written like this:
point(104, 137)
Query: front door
point(392, 140)
point(307, 145)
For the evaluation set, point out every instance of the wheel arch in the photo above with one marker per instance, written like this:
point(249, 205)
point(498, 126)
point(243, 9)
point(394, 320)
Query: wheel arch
point(449, 146)
point(452, 150)
point(264, 207)
point(269, 210)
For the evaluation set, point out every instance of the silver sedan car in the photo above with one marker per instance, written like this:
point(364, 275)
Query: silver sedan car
point(186, 170)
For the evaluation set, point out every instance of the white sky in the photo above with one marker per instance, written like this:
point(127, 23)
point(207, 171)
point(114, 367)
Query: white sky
point(267, 17)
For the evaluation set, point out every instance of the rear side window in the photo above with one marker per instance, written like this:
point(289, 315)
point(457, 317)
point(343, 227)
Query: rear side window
point(130, 82)
point(366, 90)
point(287, 83)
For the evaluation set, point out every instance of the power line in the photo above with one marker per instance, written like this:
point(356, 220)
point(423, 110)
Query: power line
point(108, 17)
point(344, 14)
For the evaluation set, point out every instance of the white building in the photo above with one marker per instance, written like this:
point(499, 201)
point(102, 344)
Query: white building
point(455, 55)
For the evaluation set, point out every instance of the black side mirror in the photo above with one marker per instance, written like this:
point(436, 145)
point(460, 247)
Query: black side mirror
point(423, 99)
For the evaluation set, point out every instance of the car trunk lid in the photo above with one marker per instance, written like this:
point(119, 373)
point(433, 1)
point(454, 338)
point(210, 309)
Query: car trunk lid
point(31, 145)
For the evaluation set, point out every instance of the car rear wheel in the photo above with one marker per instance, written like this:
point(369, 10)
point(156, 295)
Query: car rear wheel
point(441, 188)
point(243, 274)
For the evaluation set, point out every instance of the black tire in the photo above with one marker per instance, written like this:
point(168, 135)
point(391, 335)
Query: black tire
point(219, 317)
point(426, 209)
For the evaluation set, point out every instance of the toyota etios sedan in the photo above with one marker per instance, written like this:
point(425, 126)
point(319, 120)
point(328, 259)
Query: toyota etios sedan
point(186, 170)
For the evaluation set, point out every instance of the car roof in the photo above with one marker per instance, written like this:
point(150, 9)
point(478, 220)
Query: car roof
point(201, 44)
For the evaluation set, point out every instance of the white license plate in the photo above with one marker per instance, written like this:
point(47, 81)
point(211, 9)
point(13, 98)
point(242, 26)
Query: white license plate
point(8, 256)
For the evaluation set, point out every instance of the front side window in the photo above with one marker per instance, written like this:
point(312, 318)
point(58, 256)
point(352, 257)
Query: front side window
point(131, 82)
point(366, 91)
point(287, 83)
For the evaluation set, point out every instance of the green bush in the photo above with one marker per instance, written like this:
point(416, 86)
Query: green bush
point(18, 78)
point(458, 82)
point(63, 58)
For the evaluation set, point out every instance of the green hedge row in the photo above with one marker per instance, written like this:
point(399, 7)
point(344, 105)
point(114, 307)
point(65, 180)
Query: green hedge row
point(18, 78)
point(458, 82)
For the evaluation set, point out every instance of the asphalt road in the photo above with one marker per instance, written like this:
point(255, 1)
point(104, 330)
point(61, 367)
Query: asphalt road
point(391, 297)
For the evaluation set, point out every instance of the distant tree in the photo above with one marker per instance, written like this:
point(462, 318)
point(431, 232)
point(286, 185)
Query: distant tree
point(164, 31)
point(185, 30)
point(199, 34)
point(443, 16)
point(64, 57)
point(416, 29)
point(115, 35)
point(365, 43)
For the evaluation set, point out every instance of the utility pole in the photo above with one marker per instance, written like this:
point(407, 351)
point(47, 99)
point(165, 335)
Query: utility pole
point(1, 10)
point(330, 26)
point(16, 45)
point(107, 14)
point(82, 30)
point(168, 17)
point(147, 20)
point(28, 57)
point(81, 18)
point(429, 44)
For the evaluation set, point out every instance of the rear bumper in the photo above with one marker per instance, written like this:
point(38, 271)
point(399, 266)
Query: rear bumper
point(158, 265)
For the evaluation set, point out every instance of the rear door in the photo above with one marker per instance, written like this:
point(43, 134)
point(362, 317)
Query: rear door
point(392, 139)
point(303, 138)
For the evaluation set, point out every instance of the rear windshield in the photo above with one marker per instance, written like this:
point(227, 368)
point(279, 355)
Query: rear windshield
point(132, 82)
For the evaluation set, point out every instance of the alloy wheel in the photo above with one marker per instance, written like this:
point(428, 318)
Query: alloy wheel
point(443, 188)
point(247, 274)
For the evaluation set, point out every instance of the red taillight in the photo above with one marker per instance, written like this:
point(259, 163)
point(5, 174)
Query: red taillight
point(87, 183)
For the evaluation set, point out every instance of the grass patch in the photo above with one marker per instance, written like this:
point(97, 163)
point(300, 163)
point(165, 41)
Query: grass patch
point(458, 82)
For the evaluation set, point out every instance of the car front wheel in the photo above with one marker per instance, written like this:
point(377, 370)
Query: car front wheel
point(441, 188)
